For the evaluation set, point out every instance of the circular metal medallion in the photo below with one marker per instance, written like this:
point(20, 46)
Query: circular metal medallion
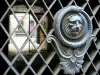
point(73, 26)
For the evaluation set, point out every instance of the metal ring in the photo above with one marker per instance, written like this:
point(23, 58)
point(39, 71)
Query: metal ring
point(57, 26)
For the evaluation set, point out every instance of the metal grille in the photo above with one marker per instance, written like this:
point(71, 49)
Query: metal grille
point(46, 62)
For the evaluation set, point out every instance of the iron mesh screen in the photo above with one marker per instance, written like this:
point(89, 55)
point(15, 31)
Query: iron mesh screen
point(41, 62)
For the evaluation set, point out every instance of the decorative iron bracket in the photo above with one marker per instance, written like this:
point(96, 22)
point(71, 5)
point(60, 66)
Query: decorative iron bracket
point(73, 36)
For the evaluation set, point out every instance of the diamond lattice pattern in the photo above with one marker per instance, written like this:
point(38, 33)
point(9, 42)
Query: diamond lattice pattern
point(42, 59)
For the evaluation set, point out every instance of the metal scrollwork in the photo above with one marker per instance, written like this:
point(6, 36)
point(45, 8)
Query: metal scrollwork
point(73, 36)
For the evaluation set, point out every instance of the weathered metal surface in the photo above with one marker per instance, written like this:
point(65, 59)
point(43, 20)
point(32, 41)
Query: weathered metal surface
point(73, 36)
point(50, 66)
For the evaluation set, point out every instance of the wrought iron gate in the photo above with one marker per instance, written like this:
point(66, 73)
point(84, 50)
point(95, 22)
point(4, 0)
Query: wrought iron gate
point(42, 59)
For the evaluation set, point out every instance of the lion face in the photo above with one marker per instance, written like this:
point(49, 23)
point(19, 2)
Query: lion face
point(73, 26)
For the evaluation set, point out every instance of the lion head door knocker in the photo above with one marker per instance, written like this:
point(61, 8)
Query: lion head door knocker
point(73, 36)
